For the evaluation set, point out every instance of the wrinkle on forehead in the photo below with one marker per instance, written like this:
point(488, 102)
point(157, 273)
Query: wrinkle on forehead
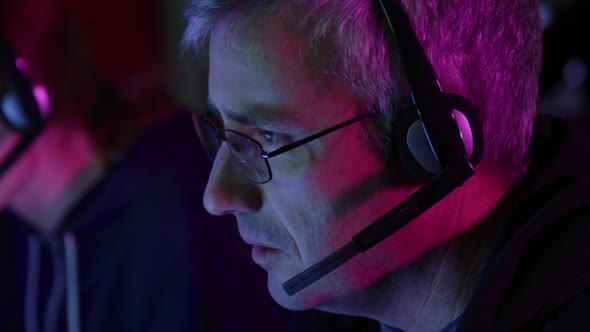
point(252, 36)
point(249, 49)
point(262, 39)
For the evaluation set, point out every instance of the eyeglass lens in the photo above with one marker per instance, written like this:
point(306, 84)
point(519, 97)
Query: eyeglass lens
point(244, 151)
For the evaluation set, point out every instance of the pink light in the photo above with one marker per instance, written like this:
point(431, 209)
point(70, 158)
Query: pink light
point(43, 100)
point(21, 64)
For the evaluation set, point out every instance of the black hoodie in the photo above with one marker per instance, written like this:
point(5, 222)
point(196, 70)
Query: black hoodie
point(537, 276)
point(137, 254)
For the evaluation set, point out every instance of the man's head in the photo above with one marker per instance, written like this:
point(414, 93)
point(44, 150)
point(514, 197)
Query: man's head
point(92, 118)
point(280, 71)
point(488, 52)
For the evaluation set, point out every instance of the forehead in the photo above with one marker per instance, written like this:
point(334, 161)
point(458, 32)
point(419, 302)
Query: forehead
point(259, 68)
point(263, 46)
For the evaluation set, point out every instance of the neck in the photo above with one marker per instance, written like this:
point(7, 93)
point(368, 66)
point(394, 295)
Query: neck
point(63, 167)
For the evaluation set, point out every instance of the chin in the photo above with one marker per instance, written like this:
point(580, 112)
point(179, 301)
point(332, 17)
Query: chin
point(308, 298)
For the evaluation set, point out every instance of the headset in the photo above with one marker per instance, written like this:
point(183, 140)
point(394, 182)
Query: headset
point(439, 140)
point(24, 107)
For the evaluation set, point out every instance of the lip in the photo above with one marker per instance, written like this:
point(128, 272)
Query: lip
point(264, 256)
point(251, 240)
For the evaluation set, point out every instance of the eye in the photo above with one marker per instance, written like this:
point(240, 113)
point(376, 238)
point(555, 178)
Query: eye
point(269, 136)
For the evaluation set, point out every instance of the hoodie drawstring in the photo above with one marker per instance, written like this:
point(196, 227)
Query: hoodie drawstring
point(56, 294)
point(32, 284)
point(65, 262)
point(72, 289)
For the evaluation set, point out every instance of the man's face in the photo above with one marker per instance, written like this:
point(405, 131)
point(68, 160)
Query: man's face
point(321, 193)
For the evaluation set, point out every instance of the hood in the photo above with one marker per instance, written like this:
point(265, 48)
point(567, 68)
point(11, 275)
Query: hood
point(540, 258)
point(157, 155)
point(49, 275)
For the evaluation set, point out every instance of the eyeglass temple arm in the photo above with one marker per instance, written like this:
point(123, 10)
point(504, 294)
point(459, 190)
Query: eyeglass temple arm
point(306, 140)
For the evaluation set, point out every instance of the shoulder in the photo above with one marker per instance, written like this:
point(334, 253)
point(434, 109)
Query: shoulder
point(573, 315)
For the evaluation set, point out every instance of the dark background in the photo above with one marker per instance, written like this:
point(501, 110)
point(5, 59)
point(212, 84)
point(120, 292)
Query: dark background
point(564, 80)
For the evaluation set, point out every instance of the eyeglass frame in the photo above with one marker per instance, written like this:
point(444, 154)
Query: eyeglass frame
point(263, 153)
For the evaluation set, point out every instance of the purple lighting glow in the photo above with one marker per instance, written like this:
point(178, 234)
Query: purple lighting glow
point(42, 98)
point(21, 64)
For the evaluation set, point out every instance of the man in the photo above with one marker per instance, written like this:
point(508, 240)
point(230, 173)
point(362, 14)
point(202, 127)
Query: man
point(85, 237)
point(312, 99)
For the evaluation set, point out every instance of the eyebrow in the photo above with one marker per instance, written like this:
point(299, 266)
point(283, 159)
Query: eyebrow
point(257, 115)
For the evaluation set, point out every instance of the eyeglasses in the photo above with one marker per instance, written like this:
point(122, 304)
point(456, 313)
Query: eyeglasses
point(247, 153)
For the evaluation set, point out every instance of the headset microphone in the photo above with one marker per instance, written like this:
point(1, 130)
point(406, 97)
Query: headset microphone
point(441, 144)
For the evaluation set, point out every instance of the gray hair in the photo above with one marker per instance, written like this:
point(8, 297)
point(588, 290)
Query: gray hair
point(488, 51)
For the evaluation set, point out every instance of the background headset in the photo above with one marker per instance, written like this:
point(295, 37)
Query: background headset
point(438, 139)
point(24, 107)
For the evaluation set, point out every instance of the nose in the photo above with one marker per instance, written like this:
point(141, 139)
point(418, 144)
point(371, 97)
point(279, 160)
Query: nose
point(228, 191)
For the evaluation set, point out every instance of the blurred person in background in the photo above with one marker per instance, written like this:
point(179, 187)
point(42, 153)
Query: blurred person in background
point(86, 227)
point(97, 212)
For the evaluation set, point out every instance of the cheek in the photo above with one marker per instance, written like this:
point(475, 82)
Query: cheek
point(346, 168)
point(320, 204)
point(15, 177)
point(306, 216)
point(8, 141)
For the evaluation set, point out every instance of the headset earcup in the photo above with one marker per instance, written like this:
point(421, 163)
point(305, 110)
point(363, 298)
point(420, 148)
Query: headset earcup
point(419, 147)
point(403, 121)
point(21, 111)
point(13, 111)
point(469, 125)
point(414, 149)
point(24, 107)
